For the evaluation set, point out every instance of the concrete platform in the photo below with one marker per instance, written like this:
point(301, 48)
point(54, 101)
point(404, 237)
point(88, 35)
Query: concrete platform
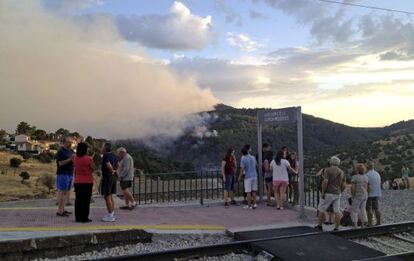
point(325, 247)
point(25, 218)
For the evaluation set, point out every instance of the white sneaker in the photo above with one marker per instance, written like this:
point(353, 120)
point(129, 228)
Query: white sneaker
point(254, 206)
point(108, 219)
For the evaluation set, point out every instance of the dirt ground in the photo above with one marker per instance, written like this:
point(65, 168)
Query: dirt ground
point(11, 187)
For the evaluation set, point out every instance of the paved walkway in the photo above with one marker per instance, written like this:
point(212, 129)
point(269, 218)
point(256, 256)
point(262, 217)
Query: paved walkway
point(39, 215)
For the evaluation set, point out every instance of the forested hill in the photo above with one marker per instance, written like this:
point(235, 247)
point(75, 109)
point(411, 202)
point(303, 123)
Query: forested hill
point(236, 127)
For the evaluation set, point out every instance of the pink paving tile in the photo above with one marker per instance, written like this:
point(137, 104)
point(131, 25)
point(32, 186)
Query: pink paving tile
point(214, 214)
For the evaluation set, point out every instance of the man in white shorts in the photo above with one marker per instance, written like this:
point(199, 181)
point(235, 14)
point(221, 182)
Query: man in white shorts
point(333, 185)
point(248, 170)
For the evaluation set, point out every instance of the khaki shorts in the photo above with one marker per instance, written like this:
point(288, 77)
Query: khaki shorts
point(330, 199)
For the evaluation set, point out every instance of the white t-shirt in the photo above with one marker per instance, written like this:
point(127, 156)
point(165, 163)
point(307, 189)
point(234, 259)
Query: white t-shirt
point(280, 172)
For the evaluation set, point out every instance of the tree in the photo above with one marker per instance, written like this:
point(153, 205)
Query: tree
point(25, 128)
point(15, 162)
point(39, 135)
point(24, 175)
point(3, 134)
point(62, 132)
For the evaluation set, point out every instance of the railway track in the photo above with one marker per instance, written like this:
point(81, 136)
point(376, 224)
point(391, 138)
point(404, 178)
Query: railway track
point(399, 232)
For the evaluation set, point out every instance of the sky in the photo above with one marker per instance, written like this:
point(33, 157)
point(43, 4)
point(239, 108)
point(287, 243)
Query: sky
point(347, 64)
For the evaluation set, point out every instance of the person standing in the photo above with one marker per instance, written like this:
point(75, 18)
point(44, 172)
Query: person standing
point(293, 179)
point(374, 194)
point(228, 169)
point(359, 191)
point(333, 184)
point(405, 176)
point(267, 172)
point(109, 180)
point(248, 171)
point(126, 175)
point(83, 183)
point(64, 162)
point(280, 168)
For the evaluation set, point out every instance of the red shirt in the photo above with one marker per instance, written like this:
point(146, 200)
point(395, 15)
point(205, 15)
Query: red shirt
point(230, 167)
point(83, 169)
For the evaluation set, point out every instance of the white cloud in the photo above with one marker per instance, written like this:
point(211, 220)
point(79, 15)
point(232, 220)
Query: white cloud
point(178, 30)
point(242, 41)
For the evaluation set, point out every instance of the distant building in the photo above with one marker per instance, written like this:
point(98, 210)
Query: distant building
point(25, 144)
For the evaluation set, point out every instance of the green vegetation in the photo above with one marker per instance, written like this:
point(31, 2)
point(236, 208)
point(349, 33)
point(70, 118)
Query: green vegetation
point(24, 175)
point(48, 181)
point(15, 162)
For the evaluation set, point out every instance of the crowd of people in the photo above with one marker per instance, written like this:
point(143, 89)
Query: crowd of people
point(279, 172)
point(360, 193)
point(78, 168)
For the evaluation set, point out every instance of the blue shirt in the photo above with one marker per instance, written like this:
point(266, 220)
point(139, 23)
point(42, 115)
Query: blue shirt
point(248, 163)
point(64, 154)
point(111, 158)
point(374, 182)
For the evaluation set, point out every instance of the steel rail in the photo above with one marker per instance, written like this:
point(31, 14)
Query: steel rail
point(408, 256)
point(245, 245)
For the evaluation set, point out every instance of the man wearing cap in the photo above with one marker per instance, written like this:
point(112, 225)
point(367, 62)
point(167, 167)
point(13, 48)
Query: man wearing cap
point(126, 175)
point(333, 185)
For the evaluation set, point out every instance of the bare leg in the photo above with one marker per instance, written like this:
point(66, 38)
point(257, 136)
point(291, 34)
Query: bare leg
point(109, 204)
point(62, 196)
point(254, 197)
point(378, 217)
point(337, 220)
point(369, 214)
point(231, 195)
point(249, 199)
point(282, 195)
point(226, 196)
point(276, 193)
point(321, 218)
point(269, 193)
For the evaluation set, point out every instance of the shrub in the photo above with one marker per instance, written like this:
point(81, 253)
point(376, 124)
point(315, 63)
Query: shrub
point(48, 181)
point(25, 155)
point(24, 175)
point(15, 162)
point(44, 158)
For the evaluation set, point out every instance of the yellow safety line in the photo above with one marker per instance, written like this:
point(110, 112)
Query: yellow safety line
point(116, 227)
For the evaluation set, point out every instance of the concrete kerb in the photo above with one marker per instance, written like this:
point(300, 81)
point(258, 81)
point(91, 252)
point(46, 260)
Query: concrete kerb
point(54, 247)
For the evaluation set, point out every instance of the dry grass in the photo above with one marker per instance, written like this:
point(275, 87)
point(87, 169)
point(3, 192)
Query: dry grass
point(11, 187)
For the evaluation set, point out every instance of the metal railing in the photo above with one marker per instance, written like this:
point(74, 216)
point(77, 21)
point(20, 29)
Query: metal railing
point(198, 185)
point(311, 191)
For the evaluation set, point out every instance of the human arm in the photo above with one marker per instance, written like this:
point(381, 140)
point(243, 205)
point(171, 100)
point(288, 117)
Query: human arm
point(241, 173)
point(223, 170)
point(61, 159)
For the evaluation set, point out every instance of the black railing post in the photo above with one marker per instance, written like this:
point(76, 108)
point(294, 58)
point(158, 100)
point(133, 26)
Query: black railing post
point(201, 189)
point(139, 189)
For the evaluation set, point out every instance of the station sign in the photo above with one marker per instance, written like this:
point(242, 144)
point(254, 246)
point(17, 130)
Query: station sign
point(278, 116)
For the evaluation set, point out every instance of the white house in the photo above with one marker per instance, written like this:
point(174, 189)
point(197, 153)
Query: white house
point(24, 143)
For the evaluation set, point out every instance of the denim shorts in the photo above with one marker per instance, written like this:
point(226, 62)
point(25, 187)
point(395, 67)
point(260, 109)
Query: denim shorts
point(229, 184)
point(64, 182)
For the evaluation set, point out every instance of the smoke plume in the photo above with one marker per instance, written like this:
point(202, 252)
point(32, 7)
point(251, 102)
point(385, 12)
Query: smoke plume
point(59, 71)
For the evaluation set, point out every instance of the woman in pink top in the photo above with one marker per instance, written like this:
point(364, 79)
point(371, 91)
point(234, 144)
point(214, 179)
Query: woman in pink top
point(83, 183)
point(280, 168)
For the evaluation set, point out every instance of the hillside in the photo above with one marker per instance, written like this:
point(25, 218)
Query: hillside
point(11, 187)
point(236, 127)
